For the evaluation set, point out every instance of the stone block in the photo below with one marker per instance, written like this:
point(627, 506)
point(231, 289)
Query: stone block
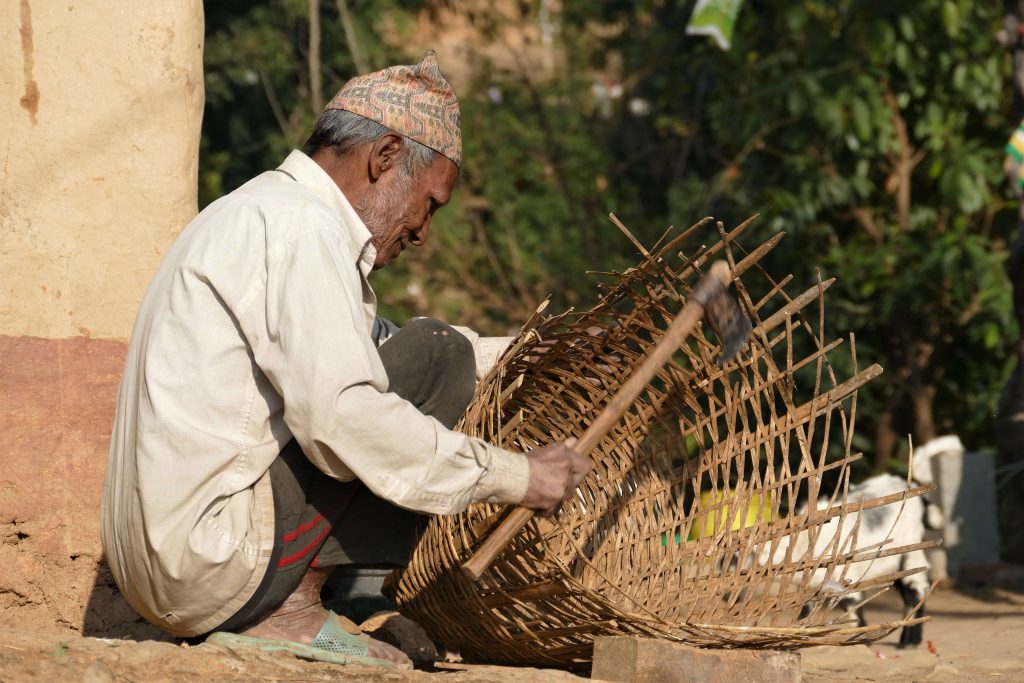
point(630, 659)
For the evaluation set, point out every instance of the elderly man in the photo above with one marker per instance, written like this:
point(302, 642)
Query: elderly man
point(269, 427)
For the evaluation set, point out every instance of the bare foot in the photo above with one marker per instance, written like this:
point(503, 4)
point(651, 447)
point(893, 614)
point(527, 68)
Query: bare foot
point(301, 616)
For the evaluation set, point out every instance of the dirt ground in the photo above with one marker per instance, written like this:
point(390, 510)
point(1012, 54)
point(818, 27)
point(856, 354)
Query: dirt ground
point(977, 636)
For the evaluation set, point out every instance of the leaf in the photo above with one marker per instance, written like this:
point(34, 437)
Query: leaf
point(861, 118)
point(796, 103)
point(901, 55)
point(907, 28)
point(992, 336)
point(951, 18)
point(970, 196)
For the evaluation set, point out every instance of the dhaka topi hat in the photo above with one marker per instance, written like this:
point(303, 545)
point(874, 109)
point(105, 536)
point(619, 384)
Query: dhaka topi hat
point(416, 101)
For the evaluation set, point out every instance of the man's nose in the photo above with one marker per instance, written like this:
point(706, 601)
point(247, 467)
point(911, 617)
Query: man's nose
point(419, 235)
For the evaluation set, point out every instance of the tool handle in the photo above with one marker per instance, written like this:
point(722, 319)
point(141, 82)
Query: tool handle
point(674, 337)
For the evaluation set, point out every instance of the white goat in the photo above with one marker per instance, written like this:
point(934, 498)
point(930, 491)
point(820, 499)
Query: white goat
point(893, 525)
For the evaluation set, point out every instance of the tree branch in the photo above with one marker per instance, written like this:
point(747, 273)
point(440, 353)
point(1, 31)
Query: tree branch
point(275, 104)
point(902, 164)
point(553, 152)
point(362, 66)
point(866, 218)
point(316, 95)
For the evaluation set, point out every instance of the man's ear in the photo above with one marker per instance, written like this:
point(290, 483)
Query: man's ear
point(384, 154)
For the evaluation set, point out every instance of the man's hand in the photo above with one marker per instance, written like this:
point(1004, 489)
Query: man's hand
point(555, 472)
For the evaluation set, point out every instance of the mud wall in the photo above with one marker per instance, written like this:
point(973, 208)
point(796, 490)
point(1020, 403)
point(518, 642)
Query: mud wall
point(101, 106)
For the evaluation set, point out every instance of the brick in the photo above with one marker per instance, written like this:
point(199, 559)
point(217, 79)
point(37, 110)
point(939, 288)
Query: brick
point(630, 659)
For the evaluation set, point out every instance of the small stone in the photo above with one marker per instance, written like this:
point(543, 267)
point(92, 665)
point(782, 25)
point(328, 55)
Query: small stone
point(98, 672)
point(944, 671)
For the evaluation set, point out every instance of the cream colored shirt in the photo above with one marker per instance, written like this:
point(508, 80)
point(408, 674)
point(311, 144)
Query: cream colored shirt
point(255, 329)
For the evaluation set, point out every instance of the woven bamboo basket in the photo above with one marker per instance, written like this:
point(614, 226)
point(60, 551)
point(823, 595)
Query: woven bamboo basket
point(676, 530)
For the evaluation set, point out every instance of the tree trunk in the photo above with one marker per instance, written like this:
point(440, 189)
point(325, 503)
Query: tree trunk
point(924, 415)
point(1010, 426)
point(1010, 421)
point(886, 440)
point(362, 66)
point(922, 392)
point(316, 88)
point(1010, 432)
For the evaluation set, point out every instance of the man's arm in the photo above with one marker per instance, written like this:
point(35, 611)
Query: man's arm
point(487, 350)
point(316, 350)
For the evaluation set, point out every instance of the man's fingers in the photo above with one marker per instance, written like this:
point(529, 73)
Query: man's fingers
point(547, 512)
point(580, 464)
point(580, 468)
point(538, 350)
point(555, 472)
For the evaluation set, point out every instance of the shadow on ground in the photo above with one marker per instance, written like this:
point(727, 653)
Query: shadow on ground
point(107, 615)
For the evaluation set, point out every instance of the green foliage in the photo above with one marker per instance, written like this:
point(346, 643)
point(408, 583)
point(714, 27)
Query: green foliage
point(870, 131)
point(258, 100)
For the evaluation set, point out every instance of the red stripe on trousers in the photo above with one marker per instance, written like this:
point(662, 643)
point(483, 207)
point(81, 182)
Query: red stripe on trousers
point(302, 529)
point(298, 555)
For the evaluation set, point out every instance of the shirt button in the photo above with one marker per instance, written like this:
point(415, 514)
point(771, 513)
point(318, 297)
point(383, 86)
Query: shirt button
point(493, 500)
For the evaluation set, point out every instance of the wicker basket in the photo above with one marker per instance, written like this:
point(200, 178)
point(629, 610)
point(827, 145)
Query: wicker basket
point(689, 492)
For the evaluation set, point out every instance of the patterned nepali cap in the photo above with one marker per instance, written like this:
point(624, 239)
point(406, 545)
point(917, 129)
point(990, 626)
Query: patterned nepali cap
point(416, 101)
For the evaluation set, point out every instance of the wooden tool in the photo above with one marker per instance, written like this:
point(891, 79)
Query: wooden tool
point(710, 300)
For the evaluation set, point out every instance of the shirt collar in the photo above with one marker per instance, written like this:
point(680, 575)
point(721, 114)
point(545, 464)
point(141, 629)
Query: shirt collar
point(309, 174)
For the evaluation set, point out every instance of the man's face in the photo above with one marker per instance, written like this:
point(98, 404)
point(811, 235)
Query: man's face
point(398, 208)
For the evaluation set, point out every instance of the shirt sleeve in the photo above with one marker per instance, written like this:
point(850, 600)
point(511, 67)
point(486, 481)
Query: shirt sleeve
point(317, 352)
point(486, 349)
point(382, 330)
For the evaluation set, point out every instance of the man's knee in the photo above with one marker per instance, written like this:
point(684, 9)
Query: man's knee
point(439, 332)
point(433, 366)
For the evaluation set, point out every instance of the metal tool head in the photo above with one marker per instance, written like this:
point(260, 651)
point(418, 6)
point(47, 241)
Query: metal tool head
point(721, 311)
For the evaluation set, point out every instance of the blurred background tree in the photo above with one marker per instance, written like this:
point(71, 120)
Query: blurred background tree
point(870, 131)
point(1010, 419)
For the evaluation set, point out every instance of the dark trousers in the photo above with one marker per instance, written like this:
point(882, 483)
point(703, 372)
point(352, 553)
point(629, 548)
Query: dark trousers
point(321, 522)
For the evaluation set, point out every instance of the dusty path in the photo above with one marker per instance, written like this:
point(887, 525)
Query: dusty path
point(977, 637)
point(53, 658)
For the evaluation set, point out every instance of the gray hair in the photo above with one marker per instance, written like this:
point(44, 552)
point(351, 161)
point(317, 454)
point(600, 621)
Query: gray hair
point(343, 131)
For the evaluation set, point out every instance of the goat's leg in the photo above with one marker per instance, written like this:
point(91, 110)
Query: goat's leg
point(912, 588)
point(848, 603)
point(911, 635)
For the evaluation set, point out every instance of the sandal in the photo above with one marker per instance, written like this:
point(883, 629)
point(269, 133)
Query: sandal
point(339, 642)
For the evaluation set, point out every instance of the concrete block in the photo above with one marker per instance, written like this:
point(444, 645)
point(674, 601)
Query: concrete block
point(967, 496)
point(630, 659)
